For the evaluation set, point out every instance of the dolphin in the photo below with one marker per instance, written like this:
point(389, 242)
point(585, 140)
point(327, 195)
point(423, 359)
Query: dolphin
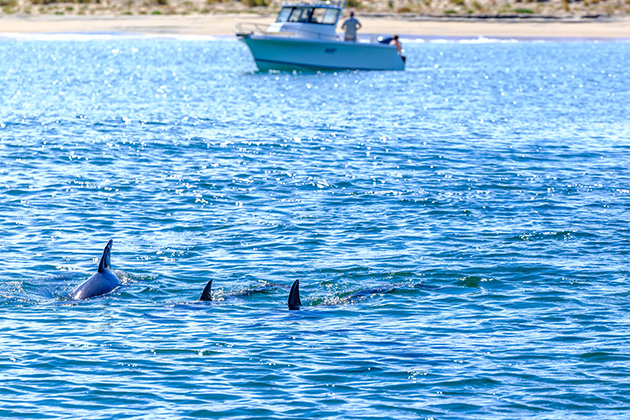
point(295, 303)
point(104, 281)
point(294, 296)
point(206, 295)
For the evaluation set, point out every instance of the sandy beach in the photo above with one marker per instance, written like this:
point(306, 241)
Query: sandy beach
point(225, 24)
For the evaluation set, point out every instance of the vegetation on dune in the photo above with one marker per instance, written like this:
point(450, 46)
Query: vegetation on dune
point(434, 8)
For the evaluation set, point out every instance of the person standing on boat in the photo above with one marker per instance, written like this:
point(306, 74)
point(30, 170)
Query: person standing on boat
point(351, 25)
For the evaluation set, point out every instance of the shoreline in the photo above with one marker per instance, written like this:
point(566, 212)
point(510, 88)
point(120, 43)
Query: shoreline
point(608, 29)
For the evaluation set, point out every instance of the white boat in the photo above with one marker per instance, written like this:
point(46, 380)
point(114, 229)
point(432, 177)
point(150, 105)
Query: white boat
point(304, 37)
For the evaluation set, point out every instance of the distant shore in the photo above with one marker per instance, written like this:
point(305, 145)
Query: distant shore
point(225, 24)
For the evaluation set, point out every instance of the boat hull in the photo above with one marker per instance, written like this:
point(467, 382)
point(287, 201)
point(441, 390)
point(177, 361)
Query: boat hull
point(286, 53)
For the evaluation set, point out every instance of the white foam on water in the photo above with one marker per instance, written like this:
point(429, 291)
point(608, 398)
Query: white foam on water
point(104, 36)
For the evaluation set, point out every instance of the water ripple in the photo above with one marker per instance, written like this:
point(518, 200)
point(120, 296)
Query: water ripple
point(459, 231)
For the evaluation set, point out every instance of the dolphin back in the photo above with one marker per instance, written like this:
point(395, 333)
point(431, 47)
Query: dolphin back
point(294, 296)
point(98, 284)
point(104, 281)
point(206, 295)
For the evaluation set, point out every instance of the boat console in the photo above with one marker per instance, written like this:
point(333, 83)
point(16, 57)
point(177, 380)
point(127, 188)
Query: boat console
point(306, 20)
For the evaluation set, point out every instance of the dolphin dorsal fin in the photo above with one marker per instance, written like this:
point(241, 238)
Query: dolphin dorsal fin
point(105, 259)
point(206, 295)
point(294, 296)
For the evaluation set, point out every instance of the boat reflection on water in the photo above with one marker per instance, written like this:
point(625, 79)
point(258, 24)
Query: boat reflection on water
point(304, 37)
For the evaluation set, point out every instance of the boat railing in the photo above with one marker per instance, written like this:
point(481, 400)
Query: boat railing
point(306, 33)
point(250, 28)
point(322, 3)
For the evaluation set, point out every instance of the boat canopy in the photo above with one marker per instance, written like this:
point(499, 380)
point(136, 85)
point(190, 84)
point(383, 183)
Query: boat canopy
point(320, 14)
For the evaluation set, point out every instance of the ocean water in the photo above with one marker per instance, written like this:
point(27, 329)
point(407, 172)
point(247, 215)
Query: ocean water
point(460, 231)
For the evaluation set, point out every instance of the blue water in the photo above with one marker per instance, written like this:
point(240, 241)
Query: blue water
point(460, 231)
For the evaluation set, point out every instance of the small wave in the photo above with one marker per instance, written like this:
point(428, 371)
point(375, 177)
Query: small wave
point(461, 40)
point(113, 35)
point(557, 235)
point(603, 356)
point(469, 382)
point(69, 36)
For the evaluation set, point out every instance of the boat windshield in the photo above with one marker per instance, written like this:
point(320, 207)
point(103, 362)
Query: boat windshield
point(321, 15)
